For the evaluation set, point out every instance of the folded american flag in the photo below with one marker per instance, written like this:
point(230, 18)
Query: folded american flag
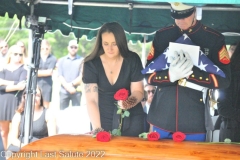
point(204, 63)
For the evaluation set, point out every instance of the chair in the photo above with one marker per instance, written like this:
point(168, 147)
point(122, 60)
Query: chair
point(73, 120)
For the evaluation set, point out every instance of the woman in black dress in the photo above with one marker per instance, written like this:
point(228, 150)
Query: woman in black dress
point(12, 80)
point(110, 67)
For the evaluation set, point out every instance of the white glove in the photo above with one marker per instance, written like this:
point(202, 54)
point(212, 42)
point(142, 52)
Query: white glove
point(180, 67)
point(188, 60)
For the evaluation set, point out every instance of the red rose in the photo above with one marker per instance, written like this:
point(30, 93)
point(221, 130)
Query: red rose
point(121, 94)
point(178, 136)
point(153, 136)
point(103, 136)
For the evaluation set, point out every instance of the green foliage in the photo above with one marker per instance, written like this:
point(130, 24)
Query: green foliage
point(143, 135)
point(119, 111)
point(227, 140)
point(58, 41)
point(116, 132)
point(126, 113)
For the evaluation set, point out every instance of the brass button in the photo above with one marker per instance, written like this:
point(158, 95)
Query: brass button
point(165, 77)
point(190, 30)
point(159, 77)
point(200, 77)
point(156, 78)
point(192, 75)
point(201, 100)
point(206, 79)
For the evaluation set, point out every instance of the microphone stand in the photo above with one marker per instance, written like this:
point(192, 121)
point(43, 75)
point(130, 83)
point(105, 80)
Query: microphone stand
point(37, 35)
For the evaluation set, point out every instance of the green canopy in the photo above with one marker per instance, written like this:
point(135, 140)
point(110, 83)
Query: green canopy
point(138, 17)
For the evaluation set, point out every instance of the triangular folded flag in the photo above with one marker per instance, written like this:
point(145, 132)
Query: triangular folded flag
point(161, 62)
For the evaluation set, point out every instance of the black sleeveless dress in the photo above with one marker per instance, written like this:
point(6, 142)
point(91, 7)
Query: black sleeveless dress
point(39, 130)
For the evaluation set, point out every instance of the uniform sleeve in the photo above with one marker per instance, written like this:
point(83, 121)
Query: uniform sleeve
point(210, 80)
point(136, 68)
point(159, 78)
point(52, 63)
point(90, 73)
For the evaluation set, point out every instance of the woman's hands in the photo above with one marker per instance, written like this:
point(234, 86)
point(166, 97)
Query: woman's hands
point(129, 103)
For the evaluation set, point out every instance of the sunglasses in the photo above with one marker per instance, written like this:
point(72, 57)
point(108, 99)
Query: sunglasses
point(4, 47)
point(73, 47)
point(20, 54)
point(151, 91)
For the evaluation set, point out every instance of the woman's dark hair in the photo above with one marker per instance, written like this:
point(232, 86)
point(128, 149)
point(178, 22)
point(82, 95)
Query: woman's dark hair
point(21, 105)
point(120, 37)
point(235, 59)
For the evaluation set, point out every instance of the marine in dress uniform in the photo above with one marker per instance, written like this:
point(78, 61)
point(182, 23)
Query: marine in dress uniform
point(175, 107)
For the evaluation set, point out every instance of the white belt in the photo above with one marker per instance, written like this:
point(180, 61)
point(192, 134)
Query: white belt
point(185, 83)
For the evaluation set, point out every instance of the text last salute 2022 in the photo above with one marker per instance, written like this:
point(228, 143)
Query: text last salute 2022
point(53, 154)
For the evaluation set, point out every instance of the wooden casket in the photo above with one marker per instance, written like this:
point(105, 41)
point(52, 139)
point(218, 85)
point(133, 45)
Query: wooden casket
point(74, 147)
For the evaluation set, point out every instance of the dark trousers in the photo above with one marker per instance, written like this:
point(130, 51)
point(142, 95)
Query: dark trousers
point(66, 98)
point(230, 129)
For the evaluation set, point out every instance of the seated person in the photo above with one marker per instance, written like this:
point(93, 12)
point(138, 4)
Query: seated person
point(43, 123)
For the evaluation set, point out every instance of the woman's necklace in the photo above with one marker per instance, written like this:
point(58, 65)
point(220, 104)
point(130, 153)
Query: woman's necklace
point(112, 67)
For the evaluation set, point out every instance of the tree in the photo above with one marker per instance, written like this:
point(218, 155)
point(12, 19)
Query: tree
point(57, 40)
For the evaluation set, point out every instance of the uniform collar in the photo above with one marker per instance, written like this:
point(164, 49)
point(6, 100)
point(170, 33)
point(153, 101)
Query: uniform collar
point(192, 29)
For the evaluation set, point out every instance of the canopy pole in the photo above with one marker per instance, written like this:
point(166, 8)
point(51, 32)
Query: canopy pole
point(144, 50)
point(70, 10)
point(37, 36)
